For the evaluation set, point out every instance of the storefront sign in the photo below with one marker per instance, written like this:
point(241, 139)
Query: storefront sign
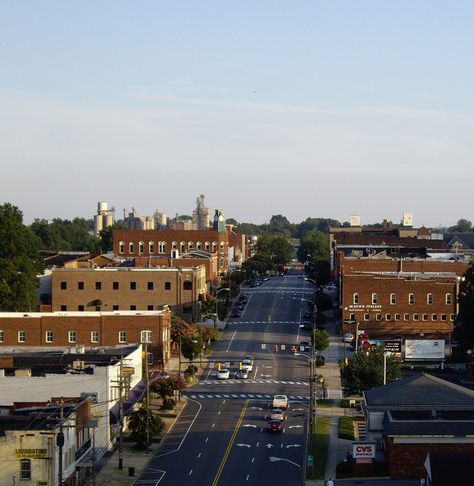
point(31, 453)
point(365, 307)
point(363, 450)
point(393, 346)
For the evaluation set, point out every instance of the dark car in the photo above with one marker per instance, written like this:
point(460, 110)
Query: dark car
point(236, 313)
point(306, 345)
point(307, 315)
point(275, 426)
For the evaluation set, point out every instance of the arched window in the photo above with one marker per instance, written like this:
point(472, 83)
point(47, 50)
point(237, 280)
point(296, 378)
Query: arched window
point(182, 247)
point(175, 245)
point(130, 248)
point(121, 246)
point(214, 247)
point(207, 246)
point(198, 245)
point(222, 247)
point(141, 247)
point(190, 245)
point(151, 247)
point(162, 246)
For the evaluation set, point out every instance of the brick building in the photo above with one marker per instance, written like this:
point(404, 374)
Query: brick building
point(387, 304)
point(91, 329)
point(124, 288)
point(171, 243)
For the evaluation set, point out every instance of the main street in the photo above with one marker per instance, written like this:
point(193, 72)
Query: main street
point(221, 437)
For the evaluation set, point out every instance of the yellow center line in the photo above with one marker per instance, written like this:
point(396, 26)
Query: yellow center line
point(231, 442)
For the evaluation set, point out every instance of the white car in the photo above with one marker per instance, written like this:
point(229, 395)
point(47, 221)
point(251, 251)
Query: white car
point(247, 365)
point(277, 414)
point(280, 401)
point(223, 374)
point(348, 337)
point(242, 375)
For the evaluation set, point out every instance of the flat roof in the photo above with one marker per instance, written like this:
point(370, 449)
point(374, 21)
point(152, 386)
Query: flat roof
point(129, 269)
point(125, 313)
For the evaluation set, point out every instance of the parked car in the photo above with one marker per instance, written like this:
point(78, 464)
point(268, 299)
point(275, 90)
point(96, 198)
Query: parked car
point(236, 313)
point(277, 414)
point(275, 426)
point(348, 337)
point(223, 374)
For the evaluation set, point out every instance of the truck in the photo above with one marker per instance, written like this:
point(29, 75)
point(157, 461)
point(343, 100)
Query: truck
point(280, 401)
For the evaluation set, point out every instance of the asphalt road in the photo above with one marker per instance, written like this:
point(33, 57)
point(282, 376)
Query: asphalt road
point(221, 438)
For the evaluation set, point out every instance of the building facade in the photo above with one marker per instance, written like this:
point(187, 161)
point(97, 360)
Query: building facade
point(129, 288)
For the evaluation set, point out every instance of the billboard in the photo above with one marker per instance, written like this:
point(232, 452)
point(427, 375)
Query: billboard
point(425, 349)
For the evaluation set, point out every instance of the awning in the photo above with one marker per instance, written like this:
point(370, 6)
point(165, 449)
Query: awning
point(136, 395)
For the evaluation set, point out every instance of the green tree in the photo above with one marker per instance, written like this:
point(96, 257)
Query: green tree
point(274, 250)
point(138, 422)
point(191, 347)
point(280, 226)
point(165, 387)
point(320, 340)
point(462, 226)
point(20, 262)
point(464, 325)
point(106, 236)
point(365, 370)
point(180, 329)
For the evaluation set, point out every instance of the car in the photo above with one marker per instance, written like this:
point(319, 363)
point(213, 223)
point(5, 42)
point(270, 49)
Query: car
point(242, 374)
point(280, 401)
point(348, 337)
point(238, 307)
point(247, 365)
point(304, 344)
point(275, 426)
point(277, 414)
point(307, 315)
point(266, 279)
point(307, 325)
point(236, 313)
point(223, 374)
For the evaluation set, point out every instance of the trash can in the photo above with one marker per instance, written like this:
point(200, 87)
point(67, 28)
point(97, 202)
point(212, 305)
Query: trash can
point(131, 471)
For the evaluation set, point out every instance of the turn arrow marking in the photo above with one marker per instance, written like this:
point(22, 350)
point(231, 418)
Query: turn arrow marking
point(295, 426)
point(254, 426)
point(293, 445)
point(269, 446)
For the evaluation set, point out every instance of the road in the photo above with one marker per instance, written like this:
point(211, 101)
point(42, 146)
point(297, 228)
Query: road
point(221, 438)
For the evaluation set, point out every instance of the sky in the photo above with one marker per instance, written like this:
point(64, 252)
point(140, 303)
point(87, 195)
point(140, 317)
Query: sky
point(302, 108)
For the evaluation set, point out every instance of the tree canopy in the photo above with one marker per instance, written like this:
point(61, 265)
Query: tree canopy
point(464, 326)
point(462, 226)
point(20, 262)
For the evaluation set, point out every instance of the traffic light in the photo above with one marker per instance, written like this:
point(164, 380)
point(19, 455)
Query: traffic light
point(218, 366)
point(276, 348)
point(240, 365)
point(293, 349)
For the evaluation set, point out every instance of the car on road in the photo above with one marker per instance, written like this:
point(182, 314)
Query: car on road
point(275, 426)
point(306, 325)
point(247, 365)
point(242, 374)
point(223, 374)
point(277, 414)
point(307, 315)
point(236, 313)
point(348, 337)
point(280, 401)
point(306, 345)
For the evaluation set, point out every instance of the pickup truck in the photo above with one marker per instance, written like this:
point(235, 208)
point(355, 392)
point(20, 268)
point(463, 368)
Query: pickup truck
point(280, 401)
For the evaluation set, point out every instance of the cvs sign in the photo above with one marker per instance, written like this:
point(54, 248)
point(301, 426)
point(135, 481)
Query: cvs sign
point(364, 450)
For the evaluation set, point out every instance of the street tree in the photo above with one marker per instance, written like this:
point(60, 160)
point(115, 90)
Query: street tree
point(365, 369)
point(20, 262)
point(464, 325)
point(142, 424)
point(320, 340)
point(166, 387)
point(191, 347)
point(180, 329)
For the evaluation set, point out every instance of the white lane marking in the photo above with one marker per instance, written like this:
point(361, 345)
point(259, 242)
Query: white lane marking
point(293, 445)
point(228, 347)
point(255, 374)
point(243, 445)
point(190, 472)
point(185, 435)
point(219, 412)
point(223, 401)
point(258, 443)
point(247, 477)
point(207, 438)
point(253, 459)
point(199, 455)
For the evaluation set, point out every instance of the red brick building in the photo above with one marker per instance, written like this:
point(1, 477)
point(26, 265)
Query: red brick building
point(90, 329)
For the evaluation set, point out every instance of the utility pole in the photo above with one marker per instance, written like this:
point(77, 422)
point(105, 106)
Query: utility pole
point(60, 442)
point(120, 461)
point(357, 336)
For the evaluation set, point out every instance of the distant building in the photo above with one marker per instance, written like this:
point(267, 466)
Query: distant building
point(201, 218)
point(134, 222)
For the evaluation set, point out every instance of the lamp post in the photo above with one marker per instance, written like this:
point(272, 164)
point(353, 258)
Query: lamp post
point(217, 303)
point(312, 407)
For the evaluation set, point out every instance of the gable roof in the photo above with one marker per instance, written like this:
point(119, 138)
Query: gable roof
point(420, 391)
point(465, 239)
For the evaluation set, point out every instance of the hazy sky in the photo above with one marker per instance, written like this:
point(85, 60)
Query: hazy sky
point(304, 108)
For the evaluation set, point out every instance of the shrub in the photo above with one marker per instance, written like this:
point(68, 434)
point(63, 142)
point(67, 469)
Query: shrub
point(168, 404)
point(320, 361)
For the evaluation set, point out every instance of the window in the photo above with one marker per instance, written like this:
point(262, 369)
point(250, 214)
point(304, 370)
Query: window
point(375, 298)
point(187, 285)
point(149, 307)
point(150, 285)
point(133, 307)
point(63, 285)
point(121, 246)
point(21, 336)
point(393, 299)
point(352, 317)
point(378, 317)
point(198, 245)
point(115, 286)
point(444, 317)
point(397, 317)
point(214, 247)
point(141, 247)
point(98, 285)
point(25, 469)
point(448, 299)
point(411, 298)
point(133, 285)
point(452, 317)
point(207, 246)
point(355, 299)
point(182, 247)
point(122, 336)
point(406, 317)
point(149, 358)
point(146, 337)
point(1, 336)
point(80, 285)
point(388, 317)
point(115, 307)
point(366, 317)
point(94, 336)
point(131, 248)
point(151, 247)
point(71, 336)
point(429, 298)
point(63, 307)
point(425, 317)
point(162, 246)
point(167, 285)
point(434, 317)
point(174, 245)
point(190, 245)
point(80, 308)
point(49, 336)
point(416, 317)
point(222, 247)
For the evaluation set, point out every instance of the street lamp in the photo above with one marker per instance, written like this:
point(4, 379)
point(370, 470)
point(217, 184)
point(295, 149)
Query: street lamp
point(276, 459)
point(217, 303)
